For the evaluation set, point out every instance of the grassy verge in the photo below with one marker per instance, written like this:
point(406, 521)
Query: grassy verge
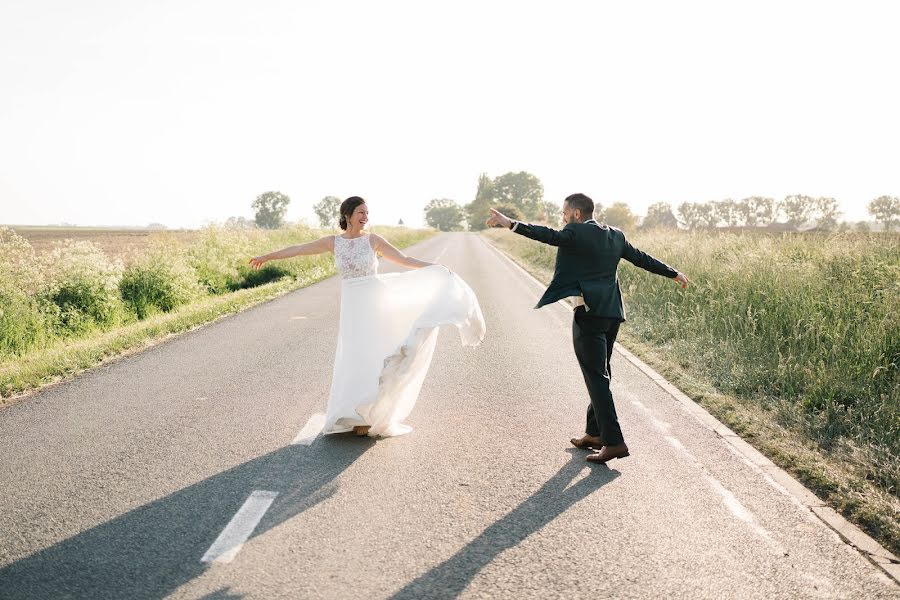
point(60, 355)
point(793, 341)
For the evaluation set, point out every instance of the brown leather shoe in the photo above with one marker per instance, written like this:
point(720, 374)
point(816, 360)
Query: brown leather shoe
point(362, 429)
point(607, 453)
point(587, 442)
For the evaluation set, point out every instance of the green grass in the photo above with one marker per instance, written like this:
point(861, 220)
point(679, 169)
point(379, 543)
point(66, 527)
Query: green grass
point(791, 339)
point(69, 309)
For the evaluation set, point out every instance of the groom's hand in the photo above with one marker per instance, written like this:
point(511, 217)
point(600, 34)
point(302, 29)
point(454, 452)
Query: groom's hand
point(498, 218)
point(682, 279)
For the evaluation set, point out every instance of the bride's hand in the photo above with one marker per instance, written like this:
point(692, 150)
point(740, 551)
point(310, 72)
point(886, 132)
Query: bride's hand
point(257, 262)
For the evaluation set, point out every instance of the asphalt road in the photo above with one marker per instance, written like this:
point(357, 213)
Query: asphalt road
point(126, 482)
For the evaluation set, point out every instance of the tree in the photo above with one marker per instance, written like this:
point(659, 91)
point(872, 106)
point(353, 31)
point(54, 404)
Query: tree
point(270, 209)
point(522, 190)
point(863, 227)
point(726, 212)
point(659, 215)
point(689, 214)
point(757, 210)
point(620, 215)
point(328, 210)
point(886, 210)
point(551, 214)
point(797, 209)
point(707, 212)
point(477, 210)
point(827, 212)
point(444, 214)
point(239, 223)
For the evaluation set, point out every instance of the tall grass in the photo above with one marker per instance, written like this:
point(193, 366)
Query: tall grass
point(76, 290)
point(806, 326)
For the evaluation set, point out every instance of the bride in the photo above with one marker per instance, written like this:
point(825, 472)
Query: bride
point(388, 325)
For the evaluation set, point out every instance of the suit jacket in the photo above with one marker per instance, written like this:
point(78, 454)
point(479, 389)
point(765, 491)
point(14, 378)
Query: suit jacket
point(587, 262)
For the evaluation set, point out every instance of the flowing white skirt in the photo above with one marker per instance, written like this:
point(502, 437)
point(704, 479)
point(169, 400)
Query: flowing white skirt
point(388, 329)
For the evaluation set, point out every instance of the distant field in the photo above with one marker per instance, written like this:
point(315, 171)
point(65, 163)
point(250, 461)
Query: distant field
point(113, 241)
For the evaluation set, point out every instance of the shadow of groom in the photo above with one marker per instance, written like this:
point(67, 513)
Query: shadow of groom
point(152, 550)
point(450, 578)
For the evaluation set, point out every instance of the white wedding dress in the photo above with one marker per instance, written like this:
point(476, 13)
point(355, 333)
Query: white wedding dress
point(388, 329)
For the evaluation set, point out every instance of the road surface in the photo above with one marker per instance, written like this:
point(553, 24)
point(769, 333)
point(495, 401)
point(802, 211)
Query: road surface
point(193, 470)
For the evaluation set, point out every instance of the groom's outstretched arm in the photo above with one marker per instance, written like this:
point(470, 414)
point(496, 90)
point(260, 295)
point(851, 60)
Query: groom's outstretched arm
point(539, 233)
point(648, 263)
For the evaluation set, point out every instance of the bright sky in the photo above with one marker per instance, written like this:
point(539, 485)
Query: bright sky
point(118, 112)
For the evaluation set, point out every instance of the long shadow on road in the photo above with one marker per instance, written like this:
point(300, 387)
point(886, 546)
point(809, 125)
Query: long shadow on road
point(152, 550)
point(450, 578)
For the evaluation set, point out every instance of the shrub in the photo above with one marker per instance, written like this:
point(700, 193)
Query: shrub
point(159, 279)
point(80, 291)
point(22, 324)
point(216, 258)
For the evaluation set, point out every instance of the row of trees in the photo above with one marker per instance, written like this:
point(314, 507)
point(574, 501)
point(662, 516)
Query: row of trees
point(793, 212)
point(521, 196)
point(757, 211)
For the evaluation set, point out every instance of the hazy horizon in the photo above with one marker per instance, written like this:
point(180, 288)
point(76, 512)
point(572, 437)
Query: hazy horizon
point(310, 220)
point(128, 113)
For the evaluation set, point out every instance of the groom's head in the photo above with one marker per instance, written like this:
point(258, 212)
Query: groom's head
point(577, 208)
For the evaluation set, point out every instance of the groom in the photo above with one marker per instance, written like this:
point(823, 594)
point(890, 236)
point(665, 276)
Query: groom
point(586, 264)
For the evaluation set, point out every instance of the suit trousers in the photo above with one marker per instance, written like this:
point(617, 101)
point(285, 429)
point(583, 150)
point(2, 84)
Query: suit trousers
point(593, 338)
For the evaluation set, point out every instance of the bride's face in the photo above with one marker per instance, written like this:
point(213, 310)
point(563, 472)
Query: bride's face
point(360, 217)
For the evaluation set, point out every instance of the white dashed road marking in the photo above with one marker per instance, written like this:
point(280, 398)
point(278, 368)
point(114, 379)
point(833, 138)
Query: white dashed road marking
point(241, 526)
point(311, 430)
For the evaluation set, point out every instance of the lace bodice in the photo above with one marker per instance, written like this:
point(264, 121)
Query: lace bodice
point(354, 257)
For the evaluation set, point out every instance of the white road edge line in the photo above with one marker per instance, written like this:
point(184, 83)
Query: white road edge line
point(728, 498)
point(311, 430)
point(852, 536)
point(241, 526)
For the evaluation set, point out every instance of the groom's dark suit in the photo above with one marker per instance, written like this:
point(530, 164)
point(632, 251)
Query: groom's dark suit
point(586, 266)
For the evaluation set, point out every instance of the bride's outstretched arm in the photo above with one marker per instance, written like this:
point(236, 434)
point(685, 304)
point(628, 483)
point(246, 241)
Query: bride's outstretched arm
point(384, 247)
point(325, 244)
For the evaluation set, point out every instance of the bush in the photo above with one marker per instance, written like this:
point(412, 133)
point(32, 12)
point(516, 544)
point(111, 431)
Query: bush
point(80, 291)
point(160, 279)
point(23, 326)
point(217, 256)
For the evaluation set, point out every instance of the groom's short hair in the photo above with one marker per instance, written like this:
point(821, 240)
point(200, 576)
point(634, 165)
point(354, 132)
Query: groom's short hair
point(582, 203)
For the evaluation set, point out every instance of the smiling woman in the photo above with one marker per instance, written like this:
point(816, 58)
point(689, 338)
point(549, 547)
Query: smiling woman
point(388, 325)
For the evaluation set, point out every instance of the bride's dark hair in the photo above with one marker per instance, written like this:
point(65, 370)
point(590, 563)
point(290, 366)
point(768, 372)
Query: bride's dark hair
point(347, 208)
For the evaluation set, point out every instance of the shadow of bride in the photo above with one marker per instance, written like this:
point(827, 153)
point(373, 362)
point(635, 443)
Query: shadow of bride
point(450, 578)
point(152, 550)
